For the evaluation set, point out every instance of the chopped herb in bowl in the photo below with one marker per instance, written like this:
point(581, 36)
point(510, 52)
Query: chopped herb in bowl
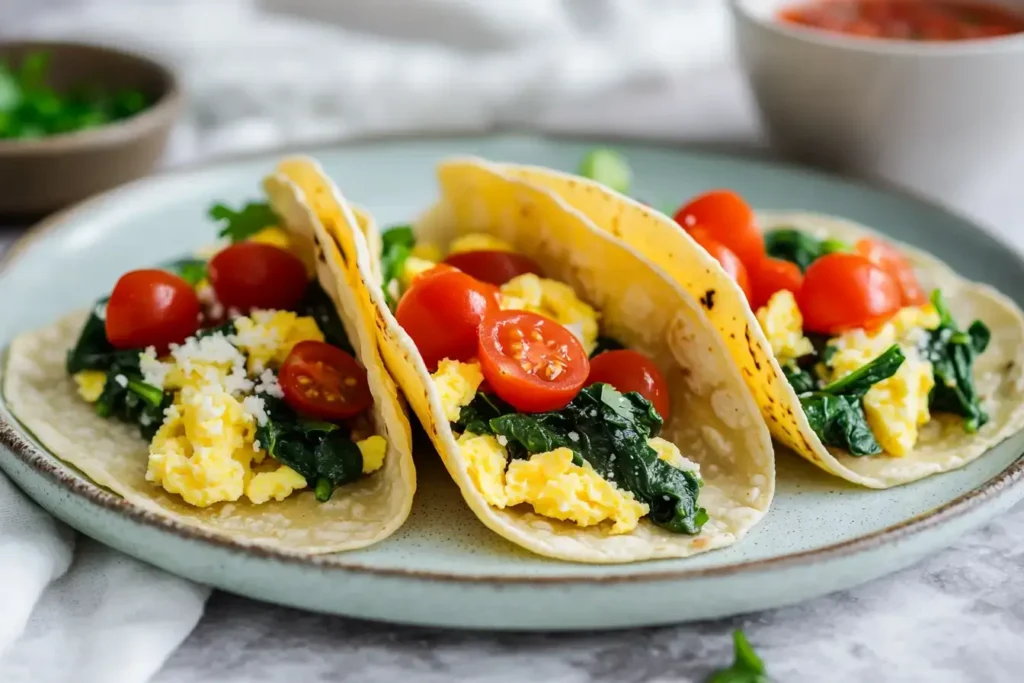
point(31, 108)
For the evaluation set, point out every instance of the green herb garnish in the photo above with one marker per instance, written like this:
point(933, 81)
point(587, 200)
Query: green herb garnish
point(952, 353)
point(836, 411)
point(607, 167)
point(30, 108)
point(396, 247)
point(191, 270)
point(798, 247)
point(609, 430)
point(241, 225)
point(747, 667)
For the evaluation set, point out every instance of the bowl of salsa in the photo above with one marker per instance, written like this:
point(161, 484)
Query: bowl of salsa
point(924, 93)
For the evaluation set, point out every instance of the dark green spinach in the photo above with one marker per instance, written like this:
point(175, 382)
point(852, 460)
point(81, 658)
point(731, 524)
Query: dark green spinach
point(318, 305)
point(747, 667)
point(322, 452)
point(952, 353)
point(836, 411)
point(798, 247)
point(243, 224)
point(396, 247)
point(801, 379)
point(609, 430)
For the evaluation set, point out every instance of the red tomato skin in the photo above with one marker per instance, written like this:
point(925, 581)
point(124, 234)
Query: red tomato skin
point(441, 314)
point(431, 272)
point(629, 370)
point(771, 275)
point(728, 219)
point(506, 341)
point(151, 308)
point(731, 263)
point(844, 291)
point(887, 257)
point(337, 367)
point(495, 267)
point(249, 275)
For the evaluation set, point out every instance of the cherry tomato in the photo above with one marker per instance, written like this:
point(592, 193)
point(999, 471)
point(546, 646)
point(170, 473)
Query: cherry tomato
point(431, 272)
point(322, 381)
point(888, 258)
point(496, 267)
point(442, 313)
point(728, 220)
point(725, 256)
point(532, 362)
point(846, 291)
point(770, 275)
point(151, 308)
point(628, 370)
point(250, 275)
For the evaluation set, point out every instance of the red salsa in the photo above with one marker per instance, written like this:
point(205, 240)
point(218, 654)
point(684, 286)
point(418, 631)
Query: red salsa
point(934, 20)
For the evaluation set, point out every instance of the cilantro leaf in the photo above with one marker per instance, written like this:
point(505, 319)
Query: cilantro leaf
point(243, 224)
point(747, 667)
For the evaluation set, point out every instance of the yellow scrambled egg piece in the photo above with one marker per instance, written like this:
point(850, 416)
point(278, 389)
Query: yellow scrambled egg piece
point(277, 484)
point(669, 452)
point(427, 251)
point(267, 337)
point(555, 300)
point(784, 326)
point(373, 450)
point(203, 450)
point(413, 267)
point(478, 241)
point(557, 488)
point(272, 235)
point(90, 384)
point(485, 463)
point(896, 407)
point(457, 384)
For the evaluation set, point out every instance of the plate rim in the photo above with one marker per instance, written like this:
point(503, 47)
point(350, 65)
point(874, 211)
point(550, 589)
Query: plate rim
point(17, 439)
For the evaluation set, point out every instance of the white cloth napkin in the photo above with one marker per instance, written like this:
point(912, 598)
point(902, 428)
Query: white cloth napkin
point(78, 612)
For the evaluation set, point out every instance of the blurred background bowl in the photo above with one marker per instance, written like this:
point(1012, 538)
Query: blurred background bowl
point(936, 117)
point(41, 175)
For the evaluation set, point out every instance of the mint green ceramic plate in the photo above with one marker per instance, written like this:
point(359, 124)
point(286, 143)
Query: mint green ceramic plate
point(444, 568)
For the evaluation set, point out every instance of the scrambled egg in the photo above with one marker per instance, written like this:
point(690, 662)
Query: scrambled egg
point(425, 251)
point(457, 384)
point(669, 452)
point(277, 484)
point(414, 266)
point(555, 300)
point(373, 450)
point(783, 325)
point(478, 241)
point(269, 336)
point(896, 407)
point(485, 462)
point(90, 384)
point(274, 236)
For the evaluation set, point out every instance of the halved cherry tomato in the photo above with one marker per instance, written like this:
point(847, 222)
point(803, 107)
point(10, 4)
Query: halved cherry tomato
point(496, 267)
point(442, 313)
point(322, 381)
point(728, 220)
point(151, 308)
point(731, 263)
point(628, 370)
point(892, 261)
point(250, 275)
point(846, 291)
point(769, 275)
point(532, 362)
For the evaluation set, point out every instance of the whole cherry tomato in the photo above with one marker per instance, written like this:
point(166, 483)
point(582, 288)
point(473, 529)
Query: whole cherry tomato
point(629, 370)
point(250, 275)
point(725, 256)
point(728, 219)
point(495, 267)
point(151, 308)
point(845, 291)
point(769, 275)
point(892, 261)
point(323, 381)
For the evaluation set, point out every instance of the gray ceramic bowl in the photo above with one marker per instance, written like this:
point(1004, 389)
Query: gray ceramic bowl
point(41, 175)
point(938, 117)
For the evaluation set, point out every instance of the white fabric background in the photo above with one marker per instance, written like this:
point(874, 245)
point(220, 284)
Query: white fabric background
point(71, 610)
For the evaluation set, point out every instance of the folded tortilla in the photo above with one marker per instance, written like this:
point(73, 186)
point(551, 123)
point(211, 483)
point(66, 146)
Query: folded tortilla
point(112, 454)
point(714, 420)
point(943, 444)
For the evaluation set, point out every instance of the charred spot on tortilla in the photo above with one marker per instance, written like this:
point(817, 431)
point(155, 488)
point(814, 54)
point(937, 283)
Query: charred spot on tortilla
point(708, 300)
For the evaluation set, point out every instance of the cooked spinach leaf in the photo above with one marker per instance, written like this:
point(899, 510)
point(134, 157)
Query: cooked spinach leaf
point(243, 224)
point(606, 344)
point(836, 411)
point(607, 167)
point(952, 353)
point(609, 430)
point(799, 378)
point(318, 305)
point(191, 270)
point(747, 667)
point(799, 247)
point(127, 397)
point(476, 416)
point(322, 452)
point(92, 351)
point(396, 246)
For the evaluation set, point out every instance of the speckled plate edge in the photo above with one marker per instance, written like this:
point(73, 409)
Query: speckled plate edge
point(1007, 482)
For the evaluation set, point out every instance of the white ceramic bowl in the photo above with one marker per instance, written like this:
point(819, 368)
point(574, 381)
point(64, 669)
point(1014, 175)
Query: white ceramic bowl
point(932, 116)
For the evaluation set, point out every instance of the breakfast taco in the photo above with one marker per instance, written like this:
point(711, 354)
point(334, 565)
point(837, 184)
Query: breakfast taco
point(580, 399)
point(869, 358)
point(241, 394)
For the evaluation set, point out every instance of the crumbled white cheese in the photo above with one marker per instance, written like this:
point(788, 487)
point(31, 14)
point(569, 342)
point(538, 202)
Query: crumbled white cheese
point(254, 406)
point(502, 439)
point(154, 371)
point(268, 385)
point(121, 380)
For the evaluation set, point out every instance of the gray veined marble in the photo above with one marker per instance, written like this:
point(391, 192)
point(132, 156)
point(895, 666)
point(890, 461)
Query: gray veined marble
point(955, 618)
